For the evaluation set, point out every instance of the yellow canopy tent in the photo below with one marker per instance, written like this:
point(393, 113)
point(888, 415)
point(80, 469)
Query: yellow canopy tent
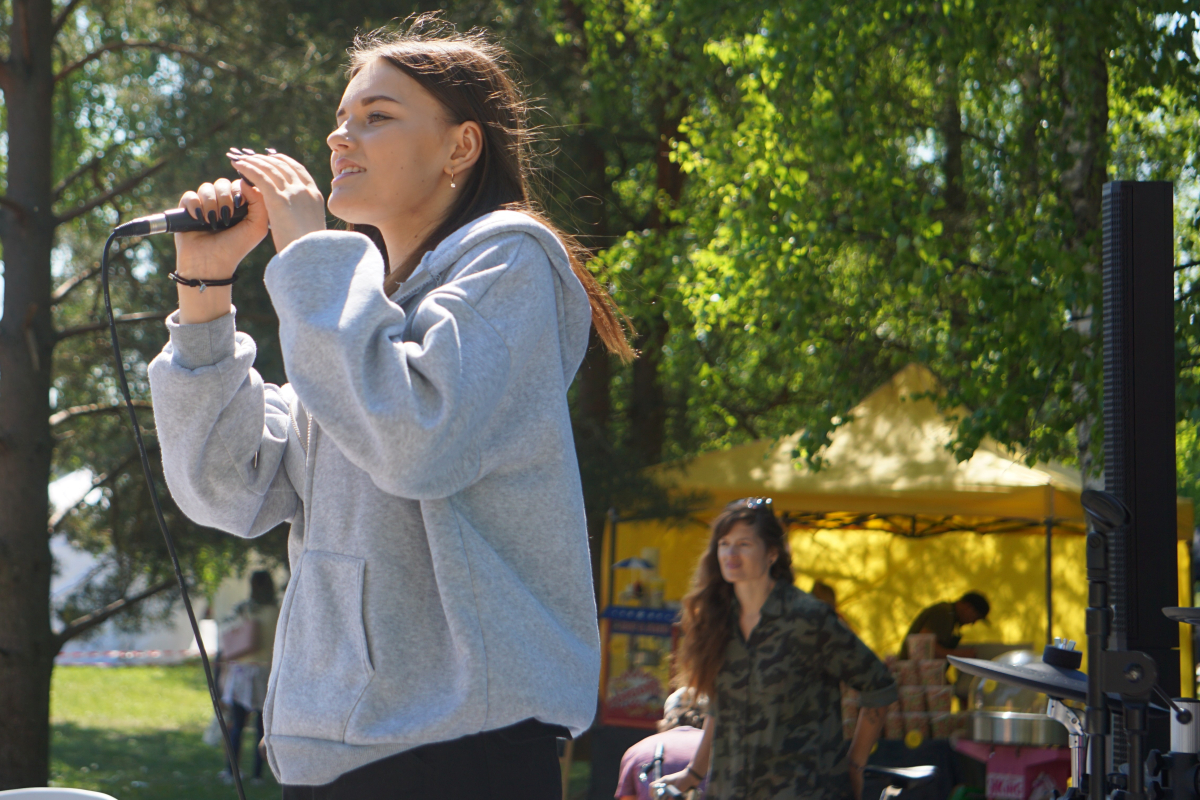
point(894, 523)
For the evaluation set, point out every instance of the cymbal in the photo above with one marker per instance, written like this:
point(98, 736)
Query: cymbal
point(1056, 682)
point(1189, 615)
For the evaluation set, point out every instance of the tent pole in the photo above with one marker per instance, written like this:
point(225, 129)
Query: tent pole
point(1049, 581)
point(613, 518)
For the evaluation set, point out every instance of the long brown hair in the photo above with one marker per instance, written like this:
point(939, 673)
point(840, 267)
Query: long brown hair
point(471, 77)
point(708, 605)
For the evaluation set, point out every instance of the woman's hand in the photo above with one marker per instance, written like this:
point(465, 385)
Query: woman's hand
point(216, 255)
point(294, 204)
point(683, 780)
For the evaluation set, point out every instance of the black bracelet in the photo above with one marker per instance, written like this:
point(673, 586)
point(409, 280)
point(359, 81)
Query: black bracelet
point(202, 282)
point(695, 774)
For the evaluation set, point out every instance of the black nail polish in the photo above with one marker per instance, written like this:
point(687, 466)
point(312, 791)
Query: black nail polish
point(225, 214)
point(272, 151)
point(248, 151)
point(238, 201)
point(212, 218)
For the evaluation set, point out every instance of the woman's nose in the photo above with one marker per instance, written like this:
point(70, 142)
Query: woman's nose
point(339, 138)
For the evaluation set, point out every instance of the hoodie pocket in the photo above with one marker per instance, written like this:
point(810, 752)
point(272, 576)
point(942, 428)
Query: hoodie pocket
point(325, 666)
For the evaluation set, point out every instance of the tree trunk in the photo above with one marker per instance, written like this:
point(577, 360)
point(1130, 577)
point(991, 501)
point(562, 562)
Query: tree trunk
point(648, 402)
point(1085, 124)
point(592, 430)
point(950, 122)
point(26, 340)
point(1084, 82)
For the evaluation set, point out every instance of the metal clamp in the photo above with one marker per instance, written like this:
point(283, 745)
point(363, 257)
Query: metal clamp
point(1076, 738)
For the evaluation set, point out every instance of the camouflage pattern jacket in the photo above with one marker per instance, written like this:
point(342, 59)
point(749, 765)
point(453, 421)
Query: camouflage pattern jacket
point(778, 717)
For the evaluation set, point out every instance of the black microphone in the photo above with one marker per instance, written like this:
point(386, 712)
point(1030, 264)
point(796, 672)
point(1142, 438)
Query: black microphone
point(178, 220)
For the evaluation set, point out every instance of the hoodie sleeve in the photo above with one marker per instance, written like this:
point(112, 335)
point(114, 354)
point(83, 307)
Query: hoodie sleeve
point(223, 431)
point(407, 398)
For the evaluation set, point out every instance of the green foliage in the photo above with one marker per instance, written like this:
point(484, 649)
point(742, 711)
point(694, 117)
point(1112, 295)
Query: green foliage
point(871, 184)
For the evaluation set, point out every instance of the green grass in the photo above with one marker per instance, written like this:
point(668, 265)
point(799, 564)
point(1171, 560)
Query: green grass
point(134, 733)
point(581, 774)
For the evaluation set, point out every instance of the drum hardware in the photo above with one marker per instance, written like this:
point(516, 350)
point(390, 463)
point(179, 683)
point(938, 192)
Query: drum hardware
point(1076, 738)
point(1116, 678)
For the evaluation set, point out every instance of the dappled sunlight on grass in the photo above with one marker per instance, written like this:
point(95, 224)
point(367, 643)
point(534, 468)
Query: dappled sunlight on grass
point(134, 732)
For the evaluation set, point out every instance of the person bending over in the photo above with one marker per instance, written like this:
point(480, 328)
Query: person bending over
point(944, 620)
point(439, 630)
point(772, 658)
point(679, 733)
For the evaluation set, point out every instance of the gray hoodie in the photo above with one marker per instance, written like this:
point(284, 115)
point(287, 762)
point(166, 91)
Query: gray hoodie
point(422, 452)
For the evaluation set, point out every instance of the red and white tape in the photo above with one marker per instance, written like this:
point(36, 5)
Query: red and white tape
point(121, 655)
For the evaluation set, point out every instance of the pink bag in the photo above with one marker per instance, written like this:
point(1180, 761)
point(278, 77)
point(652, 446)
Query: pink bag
point(240, 639)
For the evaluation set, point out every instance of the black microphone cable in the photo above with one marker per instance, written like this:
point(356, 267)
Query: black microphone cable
point(134, 229)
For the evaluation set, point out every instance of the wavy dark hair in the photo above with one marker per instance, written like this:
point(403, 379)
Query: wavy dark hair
point(262, 588)
point(470, 76)
point(708, 605)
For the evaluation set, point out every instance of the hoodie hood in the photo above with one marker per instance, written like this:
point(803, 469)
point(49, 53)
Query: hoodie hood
point(574, 308)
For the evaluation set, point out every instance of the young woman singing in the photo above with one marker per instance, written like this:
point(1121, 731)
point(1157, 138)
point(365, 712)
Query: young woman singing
point(439, 629)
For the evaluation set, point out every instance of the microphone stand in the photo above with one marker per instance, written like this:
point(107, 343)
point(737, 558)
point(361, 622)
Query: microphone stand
point(1099, 624)
point(1115, 678)
point(1130, 674)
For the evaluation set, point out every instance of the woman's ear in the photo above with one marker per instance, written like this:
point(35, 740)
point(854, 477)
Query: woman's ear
point(468, 147)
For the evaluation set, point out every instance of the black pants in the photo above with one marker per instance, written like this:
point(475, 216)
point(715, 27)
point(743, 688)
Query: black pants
point(519, 762)
point(238, 724)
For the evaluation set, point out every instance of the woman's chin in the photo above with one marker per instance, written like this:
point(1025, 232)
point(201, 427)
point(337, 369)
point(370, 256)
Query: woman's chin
point(347, 212)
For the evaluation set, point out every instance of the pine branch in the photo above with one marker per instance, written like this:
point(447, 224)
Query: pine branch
point(119, 189)
point(69, 285)
point(62, 17)
point(133, 181)
point(162, 47)
point(141, 316)
point(92, 408)
point(101, 615)
point(74, 175)
point(98, 481)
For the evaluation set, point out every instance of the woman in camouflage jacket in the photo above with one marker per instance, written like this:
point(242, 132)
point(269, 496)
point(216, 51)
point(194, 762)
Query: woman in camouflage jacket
point(772, 659)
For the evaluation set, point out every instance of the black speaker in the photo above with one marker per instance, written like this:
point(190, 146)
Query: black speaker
point(1139, 416)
